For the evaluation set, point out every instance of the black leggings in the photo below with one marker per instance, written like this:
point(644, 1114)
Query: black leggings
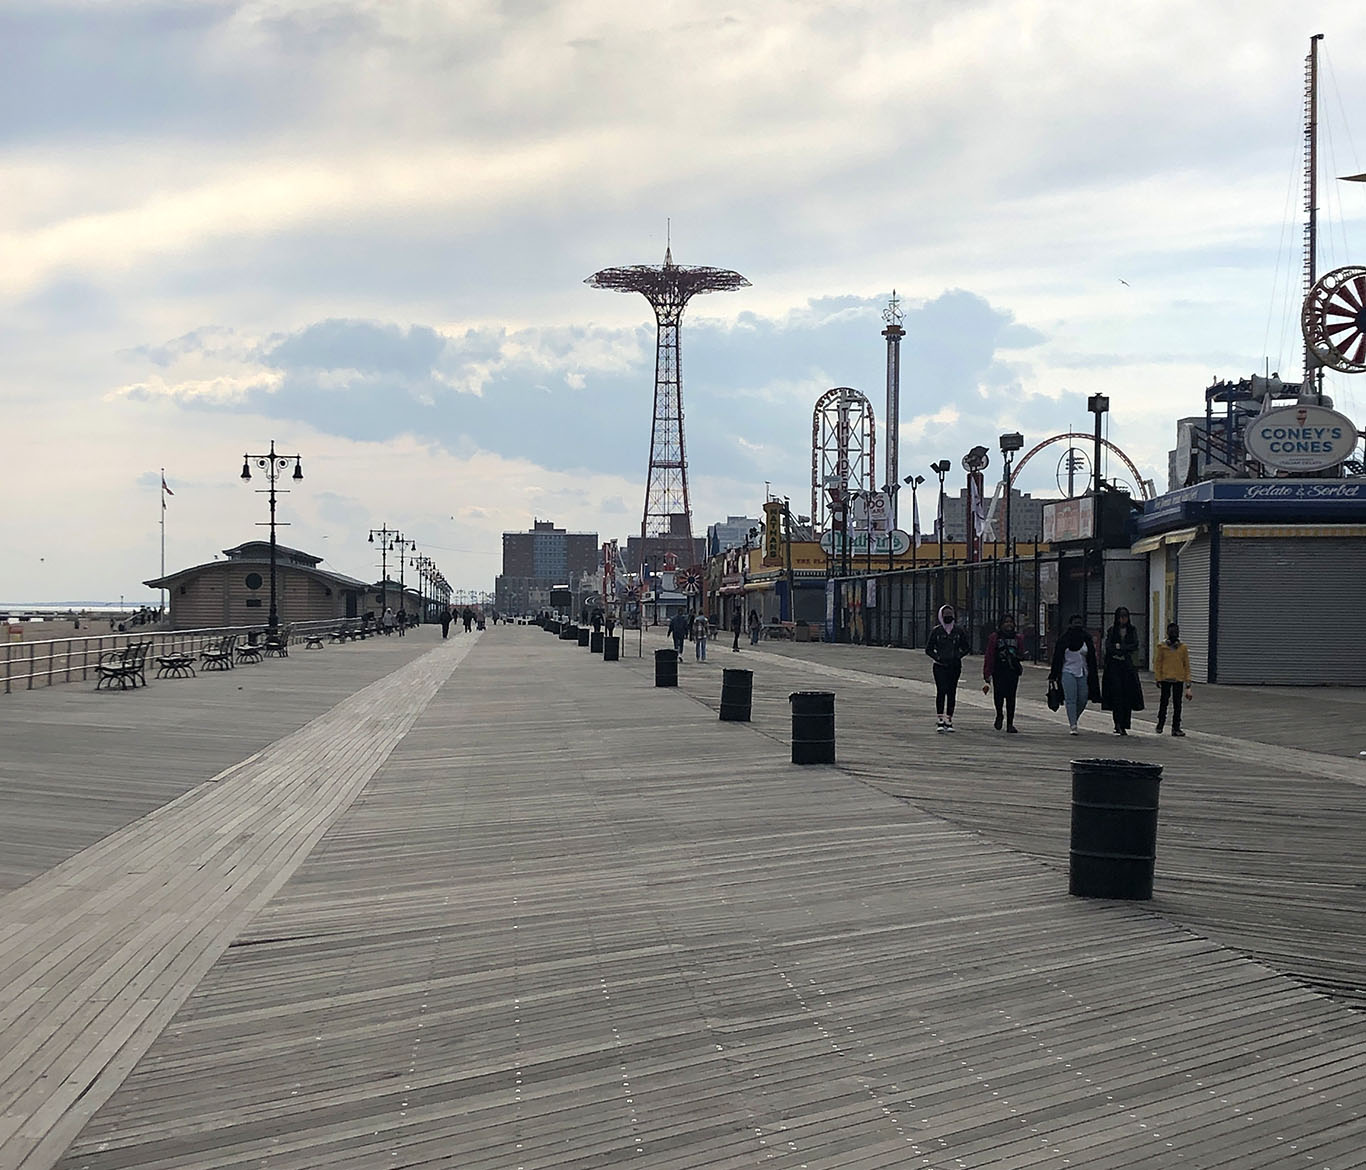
point(946, 687)
point(1003, 687)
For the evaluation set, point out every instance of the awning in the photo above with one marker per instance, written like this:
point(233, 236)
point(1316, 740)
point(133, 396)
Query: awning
point(759, 586)
point(1182, 536)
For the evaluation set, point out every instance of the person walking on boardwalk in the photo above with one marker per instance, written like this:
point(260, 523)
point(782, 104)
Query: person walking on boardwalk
point(445, 620)
point(1001, 668)
point(401, 621)
point(611, 620)
point(947, 646)
point(388, 621)
point(701, 631)
point(597, 621)
point(1172, 670)
point(736, 625)
point(467, 618)
point(678, 628)
point(1074, 670)
point(1121, 692)
point(755, 626)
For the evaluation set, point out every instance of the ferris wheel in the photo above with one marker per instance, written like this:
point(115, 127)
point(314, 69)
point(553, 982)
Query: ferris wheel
point(1333, 319)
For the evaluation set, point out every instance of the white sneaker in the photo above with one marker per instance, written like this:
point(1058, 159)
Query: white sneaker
point(939, 724)
point(1073, 730)
point(948, 724)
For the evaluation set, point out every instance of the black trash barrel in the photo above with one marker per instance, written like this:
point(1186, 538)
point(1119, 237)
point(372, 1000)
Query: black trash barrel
point(611, 648)
point(666, 668)
point(1114, 829)
point(813, 727)
point(568, 633)
point(595, 642)
point(584, 634)
point(737, 694)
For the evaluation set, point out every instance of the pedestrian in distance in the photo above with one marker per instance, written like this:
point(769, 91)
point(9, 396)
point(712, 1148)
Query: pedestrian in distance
point(1001, 669)
point(678, 628)
point(755, 626)
point(701, 630)
point(1121, 692)
point(611, 620)
point(736, 624)
point(445, 621)
point(467, 618)
point(597, 621)
point(1172, 670)
point(388, 621)
point(947, 646)
point(1074, 670)
point(401, 622)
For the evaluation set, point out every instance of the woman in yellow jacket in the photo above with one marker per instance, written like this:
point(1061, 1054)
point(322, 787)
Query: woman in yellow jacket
point(1172, 670)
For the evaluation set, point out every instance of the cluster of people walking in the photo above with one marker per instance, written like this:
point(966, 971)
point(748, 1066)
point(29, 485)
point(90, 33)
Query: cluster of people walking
point(1078, 674)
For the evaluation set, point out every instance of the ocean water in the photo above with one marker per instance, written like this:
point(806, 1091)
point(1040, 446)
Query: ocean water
point(37, 610)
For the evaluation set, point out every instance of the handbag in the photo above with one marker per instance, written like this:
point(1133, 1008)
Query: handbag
point(1054, 694)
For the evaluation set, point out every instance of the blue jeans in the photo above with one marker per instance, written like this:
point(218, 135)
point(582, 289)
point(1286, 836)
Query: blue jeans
point(1074, 693)
point(701, 649)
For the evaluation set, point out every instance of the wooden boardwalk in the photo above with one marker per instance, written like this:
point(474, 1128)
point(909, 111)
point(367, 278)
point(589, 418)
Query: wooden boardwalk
point(510, 906)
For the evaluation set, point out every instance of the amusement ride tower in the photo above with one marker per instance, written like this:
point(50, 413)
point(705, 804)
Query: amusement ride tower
point(666, 526)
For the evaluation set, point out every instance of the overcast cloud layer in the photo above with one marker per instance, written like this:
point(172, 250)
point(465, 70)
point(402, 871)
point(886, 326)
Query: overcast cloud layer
point(362, 230)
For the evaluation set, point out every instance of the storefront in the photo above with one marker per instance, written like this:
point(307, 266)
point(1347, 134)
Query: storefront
point(1265, 578)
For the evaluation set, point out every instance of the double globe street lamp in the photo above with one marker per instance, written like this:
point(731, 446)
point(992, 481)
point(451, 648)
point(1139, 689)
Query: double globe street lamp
point(274, 464)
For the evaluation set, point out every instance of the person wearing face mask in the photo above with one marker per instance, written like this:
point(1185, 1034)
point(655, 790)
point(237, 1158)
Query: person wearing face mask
point(947, 646)
point(1074, 670)
point(1002, 668)
point(1121, 692)
point(1172, 670)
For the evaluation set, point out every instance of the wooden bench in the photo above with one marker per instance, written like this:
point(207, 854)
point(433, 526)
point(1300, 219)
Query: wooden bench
point(344, 631)
point(175, 665)
point(124, 666)
point(219, 656)
point(780, 631)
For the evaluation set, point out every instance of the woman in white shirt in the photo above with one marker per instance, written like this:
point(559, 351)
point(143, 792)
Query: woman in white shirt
point(1074, 669)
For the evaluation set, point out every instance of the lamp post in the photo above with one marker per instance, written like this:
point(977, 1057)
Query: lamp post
point(941, 469)
point(273, 464)
point(1097, 404)
point(914, 482)
point(1011, 442)
point(404, 546)
point(386, 536)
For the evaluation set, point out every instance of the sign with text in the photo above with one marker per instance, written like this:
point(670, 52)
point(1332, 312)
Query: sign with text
point(773, 532)
point(895, 542)
point(1073, 519)
point(1302, 437)
point(872, 510)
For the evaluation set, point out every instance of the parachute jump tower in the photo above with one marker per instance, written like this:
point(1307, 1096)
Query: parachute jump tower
point(666, 526)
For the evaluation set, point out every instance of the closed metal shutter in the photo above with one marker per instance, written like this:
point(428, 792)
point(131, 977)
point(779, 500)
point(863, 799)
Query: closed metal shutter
point(1290, 611)
point(1192, 604)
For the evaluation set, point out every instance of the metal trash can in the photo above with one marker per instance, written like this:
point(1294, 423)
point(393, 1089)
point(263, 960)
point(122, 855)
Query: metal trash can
point(611, 648)
point(584, 633)
point(666, 668)
point(1114, 829)
point(737, 695)
point(595, 642)
point(568, 633)
point(813, 727)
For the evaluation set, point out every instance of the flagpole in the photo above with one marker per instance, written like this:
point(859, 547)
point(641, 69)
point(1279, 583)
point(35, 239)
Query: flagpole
point(162, 494)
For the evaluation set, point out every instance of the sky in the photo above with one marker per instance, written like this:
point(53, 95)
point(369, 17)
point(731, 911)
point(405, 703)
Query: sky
point(361, 230)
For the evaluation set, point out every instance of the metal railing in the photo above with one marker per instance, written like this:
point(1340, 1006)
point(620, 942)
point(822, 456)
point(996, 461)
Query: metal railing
point(47, 663)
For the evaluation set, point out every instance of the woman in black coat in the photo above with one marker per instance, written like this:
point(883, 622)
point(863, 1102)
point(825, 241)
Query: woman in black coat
point(1121, 692)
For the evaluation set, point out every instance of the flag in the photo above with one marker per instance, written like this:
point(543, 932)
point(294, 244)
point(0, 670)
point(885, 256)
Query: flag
point(165, 491)
point(978, 504)
point(1353, 178)
point(915, 518)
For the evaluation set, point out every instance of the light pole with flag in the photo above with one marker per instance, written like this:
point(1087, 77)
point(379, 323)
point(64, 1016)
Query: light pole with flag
point(165, 491)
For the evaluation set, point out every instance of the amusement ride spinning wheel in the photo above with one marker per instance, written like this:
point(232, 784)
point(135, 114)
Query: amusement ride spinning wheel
point(1334, 319)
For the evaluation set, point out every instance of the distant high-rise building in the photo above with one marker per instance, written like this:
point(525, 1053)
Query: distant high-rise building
point(539, 558)
point(732, 533)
